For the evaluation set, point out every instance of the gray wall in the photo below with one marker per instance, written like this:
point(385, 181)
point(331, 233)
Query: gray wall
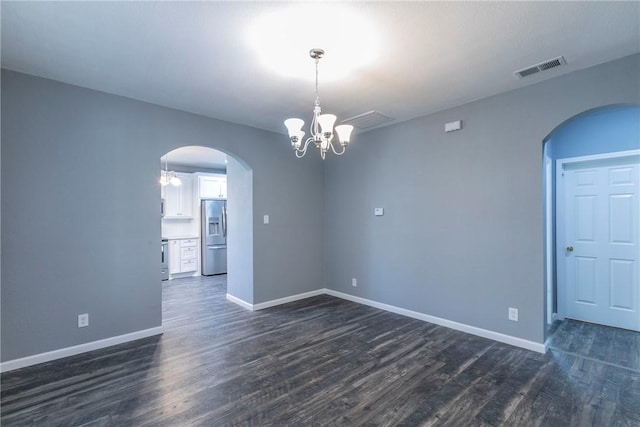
point(462, 233)
point(240, 247)
point(80, 218)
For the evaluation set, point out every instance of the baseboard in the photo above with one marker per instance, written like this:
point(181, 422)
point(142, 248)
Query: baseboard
point(273, 303)
point(48, 356)
point(11, 365)
point(485, 333)
point(291, 298)
point(242, 303)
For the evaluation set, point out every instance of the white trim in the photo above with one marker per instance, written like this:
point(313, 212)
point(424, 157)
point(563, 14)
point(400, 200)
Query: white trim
point(107, 342)
point(242, 303)
point(611, 155)
point(496, 336)
point(48, 356)
point(291, 298)
point(272, 303)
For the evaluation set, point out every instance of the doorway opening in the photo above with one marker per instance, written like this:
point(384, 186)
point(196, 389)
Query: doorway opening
point(583, 188)
point(206, 225)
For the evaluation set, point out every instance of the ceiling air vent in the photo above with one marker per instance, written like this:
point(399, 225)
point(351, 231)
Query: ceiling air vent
point(367, 120)
point(543, 66)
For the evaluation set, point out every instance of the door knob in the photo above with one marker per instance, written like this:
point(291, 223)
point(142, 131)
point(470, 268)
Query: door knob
point(569, 248)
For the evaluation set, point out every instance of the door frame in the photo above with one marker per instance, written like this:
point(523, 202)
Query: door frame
point(561, 165)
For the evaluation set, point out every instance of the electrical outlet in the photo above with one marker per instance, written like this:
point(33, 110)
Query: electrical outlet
point(513, 314)
point(83, 320)
point(354, 282)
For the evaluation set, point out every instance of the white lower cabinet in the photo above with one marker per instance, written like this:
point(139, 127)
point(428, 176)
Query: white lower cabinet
point(183, 256)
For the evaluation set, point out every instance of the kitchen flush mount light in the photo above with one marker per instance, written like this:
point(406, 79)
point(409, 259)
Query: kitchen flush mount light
point(169, 177)
point(321, 127)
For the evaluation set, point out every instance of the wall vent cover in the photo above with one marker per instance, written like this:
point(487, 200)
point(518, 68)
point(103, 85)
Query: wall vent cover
point(543, 66)
point(367, 120)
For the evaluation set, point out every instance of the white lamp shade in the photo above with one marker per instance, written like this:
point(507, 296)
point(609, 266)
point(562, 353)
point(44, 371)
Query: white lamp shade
point(294, 126)
point(344, 133)
point(326, 122)
point(175, 181)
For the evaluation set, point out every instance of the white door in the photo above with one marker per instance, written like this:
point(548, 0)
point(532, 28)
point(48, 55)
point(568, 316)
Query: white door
point(598, 240)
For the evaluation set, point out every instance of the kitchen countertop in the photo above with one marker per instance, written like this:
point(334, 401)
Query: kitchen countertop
point(187, 236)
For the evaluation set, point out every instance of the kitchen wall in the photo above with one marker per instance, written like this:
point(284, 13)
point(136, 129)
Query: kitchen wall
point(462, 233)
point(80, 217)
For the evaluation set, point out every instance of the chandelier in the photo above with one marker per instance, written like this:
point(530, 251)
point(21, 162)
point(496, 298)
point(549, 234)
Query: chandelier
point(169, 177)
point(321, 127)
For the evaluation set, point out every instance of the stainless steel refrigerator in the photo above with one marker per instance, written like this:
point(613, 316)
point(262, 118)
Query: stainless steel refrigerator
point(213, 214)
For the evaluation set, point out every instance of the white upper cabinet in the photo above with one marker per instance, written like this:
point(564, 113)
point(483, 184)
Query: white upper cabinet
point(178, 201)
point(212, 186)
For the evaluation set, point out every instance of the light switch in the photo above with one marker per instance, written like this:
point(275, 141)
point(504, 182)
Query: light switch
point(378, 211)
point(266, 219)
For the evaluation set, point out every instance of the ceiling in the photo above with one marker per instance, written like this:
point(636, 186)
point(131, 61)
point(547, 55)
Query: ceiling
point(196, 157)
point(229, 61)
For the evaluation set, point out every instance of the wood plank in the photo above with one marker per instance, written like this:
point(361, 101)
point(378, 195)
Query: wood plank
point(326, 361)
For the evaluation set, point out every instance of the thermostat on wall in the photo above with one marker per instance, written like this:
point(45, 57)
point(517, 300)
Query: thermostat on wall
point(378, 211)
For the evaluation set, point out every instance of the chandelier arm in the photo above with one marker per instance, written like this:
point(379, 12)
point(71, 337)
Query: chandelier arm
point(303, 150)
point(338, 153)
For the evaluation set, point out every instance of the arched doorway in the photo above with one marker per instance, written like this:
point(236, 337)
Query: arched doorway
point(595, 134)
point(199, 174)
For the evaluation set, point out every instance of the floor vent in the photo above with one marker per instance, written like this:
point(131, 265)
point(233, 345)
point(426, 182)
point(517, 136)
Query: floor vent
point(543, 66)
point(367, 120)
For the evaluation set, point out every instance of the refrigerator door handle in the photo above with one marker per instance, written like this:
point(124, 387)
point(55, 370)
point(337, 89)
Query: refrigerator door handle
point(224, 221)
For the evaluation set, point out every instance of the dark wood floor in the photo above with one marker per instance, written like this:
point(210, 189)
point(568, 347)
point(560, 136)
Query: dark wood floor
point(320, 361)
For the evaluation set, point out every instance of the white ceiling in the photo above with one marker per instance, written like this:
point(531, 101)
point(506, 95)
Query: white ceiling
point(209, 57)
point(196, 157)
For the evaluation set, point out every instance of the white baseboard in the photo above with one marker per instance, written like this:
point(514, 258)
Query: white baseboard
point(273, 303)
point(485, 333)
point(48, 356)
point(242, 303)
point(291, 298)
point(96, 345)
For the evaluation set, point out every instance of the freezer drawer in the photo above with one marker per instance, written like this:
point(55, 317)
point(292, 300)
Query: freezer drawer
point(214, 260)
